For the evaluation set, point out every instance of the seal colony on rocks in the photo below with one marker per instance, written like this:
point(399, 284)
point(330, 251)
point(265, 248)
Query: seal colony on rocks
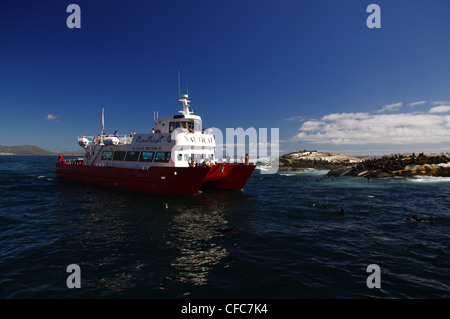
point(313, 159)
point(397, 165)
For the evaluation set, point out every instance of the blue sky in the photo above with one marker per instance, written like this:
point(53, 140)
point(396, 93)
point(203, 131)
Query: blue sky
point(311, 68)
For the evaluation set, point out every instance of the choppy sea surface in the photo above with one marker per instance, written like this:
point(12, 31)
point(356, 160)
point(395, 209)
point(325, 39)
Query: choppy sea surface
point(283, 236)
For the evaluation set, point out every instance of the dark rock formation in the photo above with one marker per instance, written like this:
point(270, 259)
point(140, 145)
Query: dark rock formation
point(397, 165)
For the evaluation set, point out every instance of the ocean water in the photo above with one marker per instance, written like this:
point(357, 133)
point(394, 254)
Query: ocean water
point(281, 237)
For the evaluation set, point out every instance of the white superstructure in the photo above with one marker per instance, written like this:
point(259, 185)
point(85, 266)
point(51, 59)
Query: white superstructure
point(177, 141)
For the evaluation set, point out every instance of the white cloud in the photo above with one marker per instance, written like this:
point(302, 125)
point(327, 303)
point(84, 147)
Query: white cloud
point(391, 107)
point(440, 109)
point(441, 103)
point(366, 128)
point(312, 125)
point(417, 103)
point(295, 118)
point(52, 117)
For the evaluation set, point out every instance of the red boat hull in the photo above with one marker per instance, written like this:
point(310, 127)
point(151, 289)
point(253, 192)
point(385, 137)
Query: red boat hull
point(228, 176)
point(160, 180)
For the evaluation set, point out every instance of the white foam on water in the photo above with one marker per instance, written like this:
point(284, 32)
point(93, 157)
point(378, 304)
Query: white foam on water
point(308, 171)
point(429, 179)
point(290, 174)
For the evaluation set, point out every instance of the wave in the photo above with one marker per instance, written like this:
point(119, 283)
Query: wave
point(308, 171)
point(264, 168)
point(429, 179)
point(42, 177)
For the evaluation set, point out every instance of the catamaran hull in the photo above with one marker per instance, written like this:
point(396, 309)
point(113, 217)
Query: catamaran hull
point(158, 180)
point(228, 176)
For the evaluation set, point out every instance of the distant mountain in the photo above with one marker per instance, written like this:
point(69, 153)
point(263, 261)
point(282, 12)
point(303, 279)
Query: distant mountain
point(31, 150)
point(23, 150)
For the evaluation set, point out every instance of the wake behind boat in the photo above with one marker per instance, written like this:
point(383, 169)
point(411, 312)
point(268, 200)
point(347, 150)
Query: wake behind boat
point(177, 157)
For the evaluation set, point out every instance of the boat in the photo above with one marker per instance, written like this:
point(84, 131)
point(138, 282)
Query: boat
point(176, 157)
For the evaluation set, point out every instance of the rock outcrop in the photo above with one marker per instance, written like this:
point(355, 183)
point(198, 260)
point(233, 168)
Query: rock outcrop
point(313, 159)
point(397, 165)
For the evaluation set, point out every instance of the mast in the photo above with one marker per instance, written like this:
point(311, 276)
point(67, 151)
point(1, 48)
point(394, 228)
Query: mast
point(179, 90)
point(103, 120)
point(185, 100)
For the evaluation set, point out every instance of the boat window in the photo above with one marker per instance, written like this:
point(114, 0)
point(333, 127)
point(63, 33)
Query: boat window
point(186, 157)
point(163, 157)
point(180, 157)
point(132, 156)
point(107, 155)
point(119, 155)
point(199, 158)
point(146, 156)
point(174, 125)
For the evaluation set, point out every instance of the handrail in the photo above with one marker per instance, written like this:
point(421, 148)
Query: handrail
point(126, 139)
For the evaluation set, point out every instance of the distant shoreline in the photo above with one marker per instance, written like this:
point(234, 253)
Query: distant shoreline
point(55, 154)
point(32, 150)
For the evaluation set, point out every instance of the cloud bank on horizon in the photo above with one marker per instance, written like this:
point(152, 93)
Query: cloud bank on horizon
point(430, 126)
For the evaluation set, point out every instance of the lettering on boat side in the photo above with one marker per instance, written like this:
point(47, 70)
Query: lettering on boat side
point(152, 139)
point(198, 139)
point(74, 279)
point(146, 148)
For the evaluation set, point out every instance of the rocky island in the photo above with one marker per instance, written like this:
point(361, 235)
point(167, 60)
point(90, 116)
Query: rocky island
point(369, 167)
point(397, 165)
point(314, 159)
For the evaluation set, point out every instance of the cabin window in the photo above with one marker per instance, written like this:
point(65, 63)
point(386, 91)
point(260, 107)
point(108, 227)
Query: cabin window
point(107, 155)
point(173, 126)
point(199, 158)
point(146, 156)
point(119, 155)
point(162, 157)
point(132, 156)
point(186, 157)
